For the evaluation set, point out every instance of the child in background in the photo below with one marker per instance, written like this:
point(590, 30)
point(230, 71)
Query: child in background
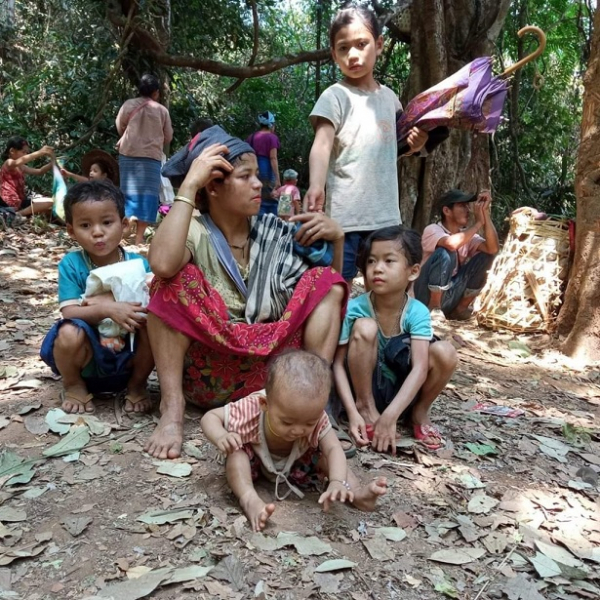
point(95, 217)
point(387, 365)
point(13, 194)
point(288, 195)
point(355, 148)
point(98, 165)
point(284, 432)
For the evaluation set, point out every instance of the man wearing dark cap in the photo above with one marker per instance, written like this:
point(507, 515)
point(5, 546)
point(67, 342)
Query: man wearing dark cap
point(456, 258)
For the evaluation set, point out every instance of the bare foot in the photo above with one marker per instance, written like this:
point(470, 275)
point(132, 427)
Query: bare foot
point(137, 400)
point(366, 497)
point(77, 400)
point(257, 511)
point(167, 438)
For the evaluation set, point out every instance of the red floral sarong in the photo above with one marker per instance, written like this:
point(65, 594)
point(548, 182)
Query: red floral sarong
point(227, 359)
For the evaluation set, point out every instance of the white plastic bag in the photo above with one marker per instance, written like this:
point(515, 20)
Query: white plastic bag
point(127, 282)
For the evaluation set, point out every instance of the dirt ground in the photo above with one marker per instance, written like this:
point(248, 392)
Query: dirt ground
point(509, 509)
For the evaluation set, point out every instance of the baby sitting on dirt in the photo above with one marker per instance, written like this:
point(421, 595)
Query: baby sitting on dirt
point(284, 433)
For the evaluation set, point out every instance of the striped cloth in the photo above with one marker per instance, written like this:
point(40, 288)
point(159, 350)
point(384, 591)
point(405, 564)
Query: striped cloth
point(140, 182)
point(277, 263)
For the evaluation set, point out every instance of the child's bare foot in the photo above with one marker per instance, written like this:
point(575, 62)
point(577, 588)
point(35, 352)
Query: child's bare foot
point(365, 498)
point(257, 511)
point(77, 400)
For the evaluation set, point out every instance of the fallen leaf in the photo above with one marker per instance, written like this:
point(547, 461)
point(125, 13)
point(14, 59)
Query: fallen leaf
point(457, 556)
point(391, 534)
point(36, 424)
point(558, 554)
point(263, 542)
point(412, 581)
point(545, 566)
point(188, 573)
point(173, 469)
point(137, 572)
point(83, 509)
point(21, 470)
point(495, 542)
point(306, 546)
point(519, 348)
point(53, 419)
point(75, 525)
point(4, 421)
point(8, 371)
point(34, 492)
point(192, 450)
point(93, 423)
point(378, 548)
point(160, 517)
point(481, 504)
point(75, 440)
point(335, 565)
point(136, 588)
point(470, 482)
point(231, 570)
point(29, 407)
point(481, 449)
point(12, 515)
point(9, 555)
point(328, 583)
point(519, 588)
point(442, 583)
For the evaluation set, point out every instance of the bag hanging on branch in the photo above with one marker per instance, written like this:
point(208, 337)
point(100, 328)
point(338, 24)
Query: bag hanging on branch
point(524, 289)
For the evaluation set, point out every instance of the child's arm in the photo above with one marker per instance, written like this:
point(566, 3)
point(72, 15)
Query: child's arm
point(384, 432)
point(318, 164)
point(212, 424)
point(417, 138)
point(337, 471)
point(79, 178)
point(97, 308)
point(358, 427)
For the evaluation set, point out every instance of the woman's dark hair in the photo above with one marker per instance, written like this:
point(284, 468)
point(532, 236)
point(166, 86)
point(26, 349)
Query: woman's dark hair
point(348, 15)
point(407, 239)
point(93, 191)
point(16, 142)
point(148, 85)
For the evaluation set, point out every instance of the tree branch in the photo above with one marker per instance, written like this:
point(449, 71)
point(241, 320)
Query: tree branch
point(255, 41)
point(240, 72)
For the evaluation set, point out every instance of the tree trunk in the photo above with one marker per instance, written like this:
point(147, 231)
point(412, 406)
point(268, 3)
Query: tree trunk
point(579, 319)
point(446, 35)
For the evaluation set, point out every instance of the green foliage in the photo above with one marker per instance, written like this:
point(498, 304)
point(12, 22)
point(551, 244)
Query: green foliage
point(547, 120)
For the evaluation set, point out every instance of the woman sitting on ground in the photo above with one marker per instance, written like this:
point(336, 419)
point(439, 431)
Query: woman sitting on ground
point(234, 288)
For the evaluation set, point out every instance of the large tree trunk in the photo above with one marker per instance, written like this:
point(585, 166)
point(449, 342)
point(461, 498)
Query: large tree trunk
point(579, 318)
point(446, 35)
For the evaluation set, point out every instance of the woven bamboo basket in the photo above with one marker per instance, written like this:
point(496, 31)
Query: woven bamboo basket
point(524, 288)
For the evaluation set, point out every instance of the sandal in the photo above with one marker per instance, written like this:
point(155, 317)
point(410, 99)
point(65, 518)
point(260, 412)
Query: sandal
point(135, 402)
point(422, 432)
point(345, 440)
point(73, 399)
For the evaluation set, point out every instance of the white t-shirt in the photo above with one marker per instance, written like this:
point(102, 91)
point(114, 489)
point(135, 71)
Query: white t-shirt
point(362, 180)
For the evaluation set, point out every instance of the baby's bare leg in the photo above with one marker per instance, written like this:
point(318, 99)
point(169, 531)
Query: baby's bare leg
point(239, 477)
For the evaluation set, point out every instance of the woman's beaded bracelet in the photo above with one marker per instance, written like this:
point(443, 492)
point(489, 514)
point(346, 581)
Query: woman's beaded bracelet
point(342, 481)
point(185, 200)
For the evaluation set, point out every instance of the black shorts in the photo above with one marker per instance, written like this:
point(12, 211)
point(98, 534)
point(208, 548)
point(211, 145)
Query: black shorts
point(397, 357)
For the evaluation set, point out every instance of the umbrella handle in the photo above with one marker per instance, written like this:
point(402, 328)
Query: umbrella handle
point(541, 36)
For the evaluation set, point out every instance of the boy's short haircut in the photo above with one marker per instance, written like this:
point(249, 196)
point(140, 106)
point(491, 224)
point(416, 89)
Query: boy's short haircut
point(289, 174)
point(93, 191)
point(408, 240)
point(299, 368)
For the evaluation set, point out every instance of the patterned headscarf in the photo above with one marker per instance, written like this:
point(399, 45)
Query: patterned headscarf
point(179, 164)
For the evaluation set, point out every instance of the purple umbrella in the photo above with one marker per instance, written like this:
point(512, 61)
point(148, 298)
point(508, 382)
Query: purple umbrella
point(472, 98)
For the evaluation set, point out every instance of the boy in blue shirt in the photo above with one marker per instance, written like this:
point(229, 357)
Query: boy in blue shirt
point(95, 217)
point(386, 365)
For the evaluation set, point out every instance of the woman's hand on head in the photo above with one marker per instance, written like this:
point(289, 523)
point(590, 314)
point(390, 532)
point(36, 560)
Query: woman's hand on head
point(316, 226)
point(208, 165)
